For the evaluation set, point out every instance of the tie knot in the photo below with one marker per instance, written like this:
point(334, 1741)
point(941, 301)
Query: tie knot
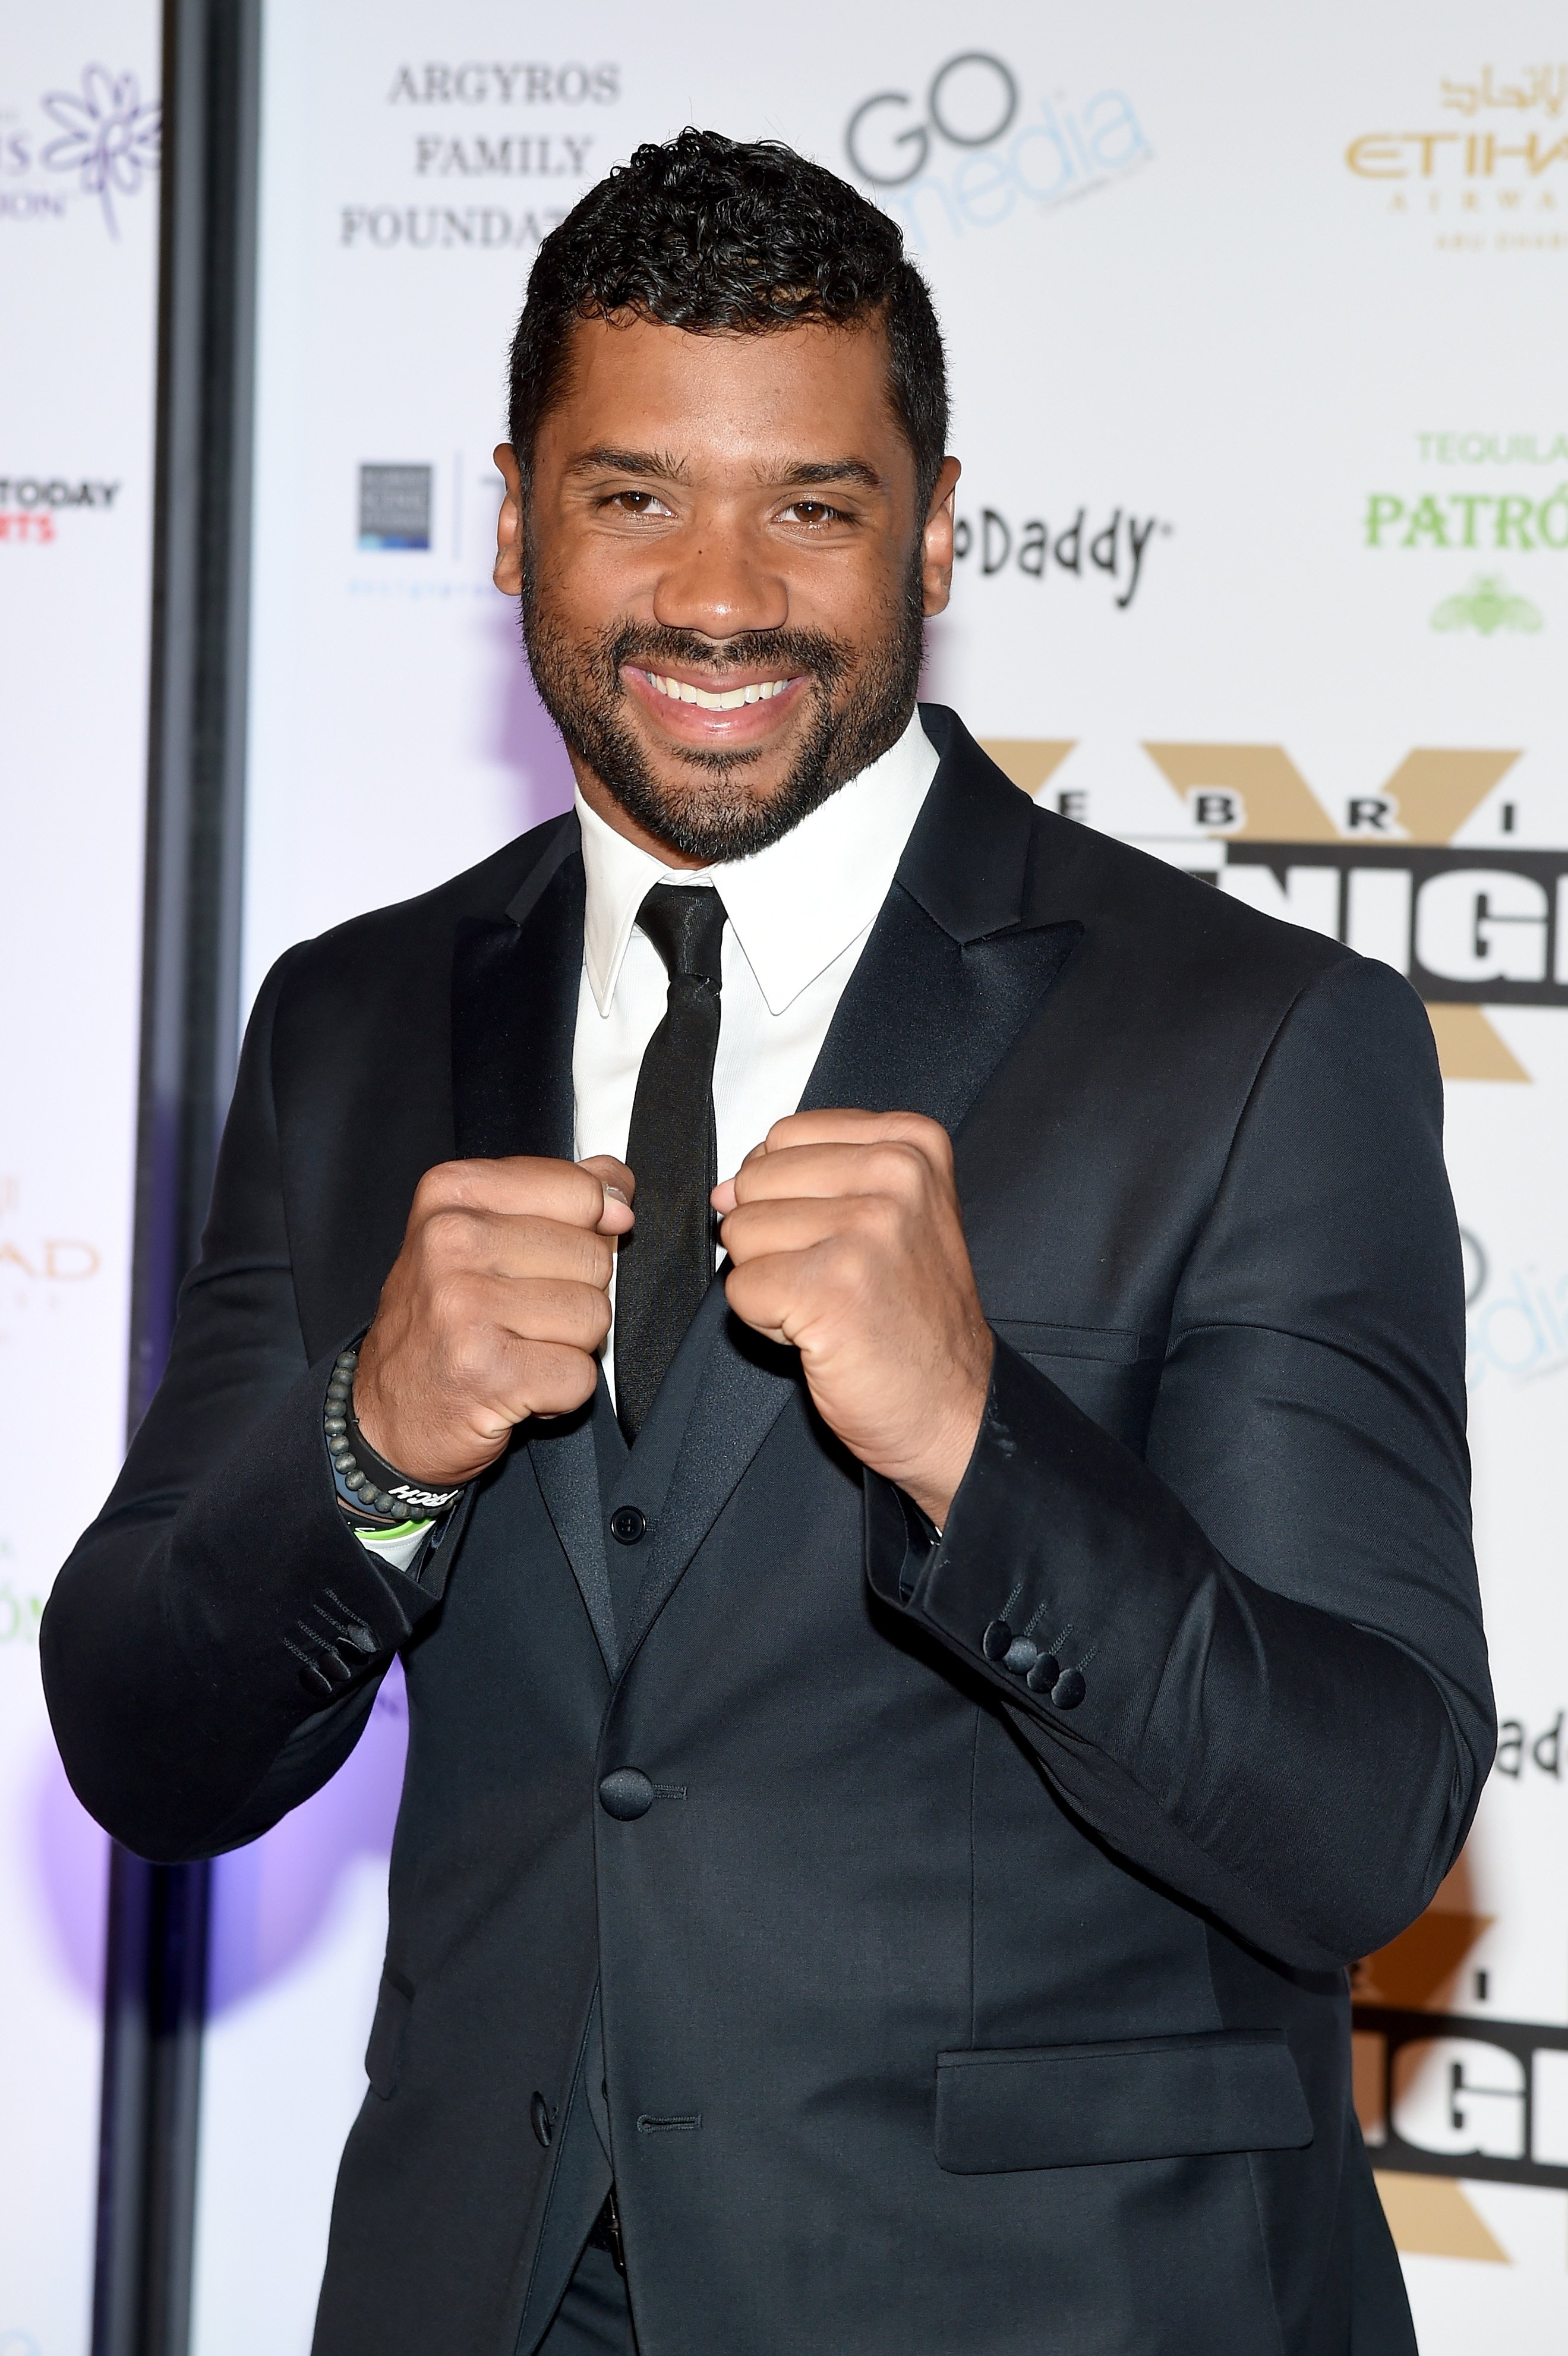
point(685, 922)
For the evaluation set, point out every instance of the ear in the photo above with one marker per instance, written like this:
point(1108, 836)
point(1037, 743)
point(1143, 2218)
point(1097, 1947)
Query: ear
point(937, 554)
point(509, 574)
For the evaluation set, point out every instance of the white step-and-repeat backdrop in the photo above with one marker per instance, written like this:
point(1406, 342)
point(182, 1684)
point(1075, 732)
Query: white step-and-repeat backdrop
point(78, 222)
point(1253, 318)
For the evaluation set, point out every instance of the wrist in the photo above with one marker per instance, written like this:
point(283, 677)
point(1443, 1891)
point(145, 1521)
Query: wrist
point(934, 1478)
point(367, 1482)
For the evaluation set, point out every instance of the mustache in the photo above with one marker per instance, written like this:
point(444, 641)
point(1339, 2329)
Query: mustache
point(647, 646)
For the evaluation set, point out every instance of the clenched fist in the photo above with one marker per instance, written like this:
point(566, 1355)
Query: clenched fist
point(494, 1309)
point(846, 1241)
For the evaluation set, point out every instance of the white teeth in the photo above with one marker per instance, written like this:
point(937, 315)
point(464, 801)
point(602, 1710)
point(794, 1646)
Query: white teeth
point(681, 690)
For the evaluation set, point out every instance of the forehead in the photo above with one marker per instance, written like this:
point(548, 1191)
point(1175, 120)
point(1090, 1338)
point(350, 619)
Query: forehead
point(811, 389)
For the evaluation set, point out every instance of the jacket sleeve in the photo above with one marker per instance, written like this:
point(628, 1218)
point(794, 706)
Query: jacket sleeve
point(1271, 1690)
point(211, 1649)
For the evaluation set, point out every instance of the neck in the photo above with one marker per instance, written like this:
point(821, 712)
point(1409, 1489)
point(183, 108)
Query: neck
point(603, 803)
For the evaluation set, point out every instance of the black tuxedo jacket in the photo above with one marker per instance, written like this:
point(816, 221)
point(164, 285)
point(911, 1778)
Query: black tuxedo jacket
point(941, 2016)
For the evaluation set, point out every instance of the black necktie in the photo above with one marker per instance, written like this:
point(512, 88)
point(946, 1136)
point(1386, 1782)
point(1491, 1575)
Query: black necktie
point(667, 1263)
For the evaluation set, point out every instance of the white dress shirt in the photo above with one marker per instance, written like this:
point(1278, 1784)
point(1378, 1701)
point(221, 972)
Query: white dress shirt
point(798, 917)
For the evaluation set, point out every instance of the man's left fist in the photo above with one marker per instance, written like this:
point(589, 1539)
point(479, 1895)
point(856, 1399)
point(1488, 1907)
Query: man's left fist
point(846, 1241)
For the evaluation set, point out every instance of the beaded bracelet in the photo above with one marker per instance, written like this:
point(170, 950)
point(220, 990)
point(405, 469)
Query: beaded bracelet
point(367, 1483)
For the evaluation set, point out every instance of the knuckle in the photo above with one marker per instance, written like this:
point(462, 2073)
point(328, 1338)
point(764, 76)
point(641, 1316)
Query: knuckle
point(894, 1164)
point(924, 1141)
point(447, 1186)
point(873, 1221)
point(449, 1234)
point(452, 1305)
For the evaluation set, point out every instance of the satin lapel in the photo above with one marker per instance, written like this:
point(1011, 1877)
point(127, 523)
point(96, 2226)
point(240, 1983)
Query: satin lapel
point(952, 970)
point(743, 1387)
point(513, 1014)
point(955, 964)
point(514, 1004)
point(567, 1470)
point(926, 1019)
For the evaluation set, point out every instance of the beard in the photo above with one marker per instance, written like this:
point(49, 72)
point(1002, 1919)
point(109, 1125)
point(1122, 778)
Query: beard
point(861, 701)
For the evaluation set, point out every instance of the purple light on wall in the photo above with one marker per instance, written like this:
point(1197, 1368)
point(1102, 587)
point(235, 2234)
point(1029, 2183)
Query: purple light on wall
point(273, 1897)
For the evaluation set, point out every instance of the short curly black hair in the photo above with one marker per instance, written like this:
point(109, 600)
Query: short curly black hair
point(711, 234)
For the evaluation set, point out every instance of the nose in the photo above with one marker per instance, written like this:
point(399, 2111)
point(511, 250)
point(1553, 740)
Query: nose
point(719, 580)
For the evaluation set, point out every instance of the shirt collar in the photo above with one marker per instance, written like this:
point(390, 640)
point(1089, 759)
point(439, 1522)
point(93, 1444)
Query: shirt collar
point(793, 907)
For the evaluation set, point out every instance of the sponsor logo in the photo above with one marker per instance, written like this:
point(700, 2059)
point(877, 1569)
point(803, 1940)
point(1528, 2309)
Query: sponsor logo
point(1472, 926)
point(1445, 2093)
point(1492, 170)
point(1506, 513)
point(395, 506)
point(1450, 2095)
point(441, 228)
point(1519, 1752)
point(445, 149)
point(30, 503)
point(1111, 548)
point(549, 155)
point(475, 83)
point(975, 146)
point(55, 1260)
point(19, 1618)
point(1469, 927)
point(1487, 605)
point(1503, 519)
point(103, 137)
point(1518, 1330)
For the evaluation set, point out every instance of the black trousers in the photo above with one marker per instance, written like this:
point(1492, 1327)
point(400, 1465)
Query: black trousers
point(593, 2319)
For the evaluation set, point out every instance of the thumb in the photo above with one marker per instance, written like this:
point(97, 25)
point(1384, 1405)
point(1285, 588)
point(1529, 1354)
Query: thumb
point(619, 1188)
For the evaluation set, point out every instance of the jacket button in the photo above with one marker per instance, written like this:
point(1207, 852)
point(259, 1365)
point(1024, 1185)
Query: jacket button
point(625, 1794)
point(538, 2112)
point(997, 1642)
point(1021, 1655)
point(1069, 1689)
point(314, 1682)
point(627, 1524)
point(1044, 1673)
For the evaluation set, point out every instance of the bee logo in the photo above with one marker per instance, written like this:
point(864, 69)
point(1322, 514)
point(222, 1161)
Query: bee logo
point(1487, 605)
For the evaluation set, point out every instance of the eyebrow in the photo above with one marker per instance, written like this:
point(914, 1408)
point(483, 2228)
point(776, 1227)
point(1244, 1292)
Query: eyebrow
point(606, 459)
point(666, 467)
point(832, 470)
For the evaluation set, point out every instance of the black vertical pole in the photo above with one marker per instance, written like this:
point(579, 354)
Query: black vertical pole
point(156, 1964)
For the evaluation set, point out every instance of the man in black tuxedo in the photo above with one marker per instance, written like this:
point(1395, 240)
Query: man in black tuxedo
point(907, 1729)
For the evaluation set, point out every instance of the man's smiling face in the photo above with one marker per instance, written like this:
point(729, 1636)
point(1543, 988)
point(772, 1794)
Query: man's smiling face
point(723, 573)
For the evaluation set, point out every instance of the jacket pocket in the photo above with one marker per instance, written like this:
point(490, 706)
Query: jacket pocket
point(383, 2055)
point(1114, 1346)
point(1149, 2098)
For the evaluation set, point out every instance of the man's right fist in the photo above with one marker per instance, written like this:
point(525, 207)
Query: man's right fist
point(493, 1312)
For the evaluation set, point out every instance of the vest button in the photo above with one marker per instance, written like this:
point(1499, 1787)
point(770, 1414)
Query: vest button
point(627, 1524)
point(625, 1794)
point(544, 2126)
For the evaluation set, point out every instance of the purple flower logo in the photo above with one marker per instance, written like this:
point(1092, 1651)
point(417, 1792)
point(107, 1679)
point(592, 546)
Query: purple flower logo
point(111, 136)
